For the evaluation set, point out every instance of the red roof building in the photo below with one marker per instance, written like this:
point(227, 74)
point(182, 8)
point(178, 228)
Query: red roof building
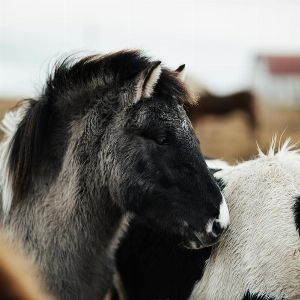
point(277, 80)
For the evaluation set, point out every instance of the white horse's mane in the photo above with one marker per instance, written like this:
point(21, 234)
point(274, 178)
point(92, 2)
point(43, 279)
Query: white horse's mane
point(280, 151)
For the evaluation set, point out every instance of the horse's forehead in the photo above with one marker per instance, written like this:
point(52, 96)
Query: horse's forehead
point(162, 107)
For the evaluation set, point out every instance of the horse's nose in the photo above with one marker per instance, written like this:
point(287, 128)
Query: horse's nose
point(215, 227)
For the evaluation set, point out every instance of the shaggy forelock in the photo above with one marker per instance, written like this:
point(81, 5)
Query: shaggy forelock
point(71, 76)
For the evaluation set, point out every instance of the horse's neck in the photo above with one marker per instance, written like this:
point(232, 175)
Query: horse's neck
point(77, 200)
point(66, 223)
point(69, 216)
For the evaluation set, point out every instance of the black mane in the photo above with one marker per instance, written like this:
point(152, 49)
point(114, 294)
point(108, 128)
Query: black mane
point(27, 146)
point(92, 72)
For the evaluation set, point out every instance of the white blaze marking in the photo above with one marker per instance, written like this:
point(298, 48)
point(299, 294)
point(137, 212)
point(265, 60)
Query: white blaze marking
point(224, 218)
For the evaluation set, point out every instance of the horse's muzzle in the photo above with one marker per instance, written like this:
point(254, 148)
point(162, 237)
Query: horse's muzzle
point(214, 230)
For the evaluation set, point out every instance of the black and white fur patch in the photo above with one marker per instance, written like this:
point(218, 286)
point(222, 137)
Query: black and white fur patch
point(257, 296)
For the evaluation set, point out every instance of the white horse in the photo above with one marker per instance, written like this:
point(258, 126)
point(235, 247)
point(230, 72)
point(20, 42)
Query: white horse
point(259, 256)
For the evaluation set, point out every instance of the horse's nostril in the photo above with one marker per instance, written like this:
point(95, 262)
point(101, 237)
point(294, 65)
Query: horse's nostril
point(217, 229)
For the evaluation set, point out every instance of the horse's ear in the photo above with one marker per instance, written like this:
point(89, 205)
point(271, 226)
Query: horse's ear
point(181, 72)
point(147, 80)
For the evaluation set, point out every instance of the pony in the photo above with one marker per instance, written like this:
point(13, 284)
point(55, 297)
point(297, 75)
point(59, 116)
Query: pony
point(257, 258)
point(106, 140)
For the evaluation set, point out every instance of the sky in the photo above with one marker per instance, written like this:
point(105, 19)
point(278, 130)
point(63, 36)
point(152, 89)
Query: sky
point(216, 39)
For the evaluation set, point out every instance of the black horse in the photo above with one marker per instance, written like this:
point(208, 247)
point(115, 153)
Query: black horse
point(108, 138)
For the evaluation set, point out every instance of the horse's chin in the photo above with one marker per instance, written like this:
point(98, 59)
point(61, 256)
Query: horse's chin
point(198, 245)
point(193, 245)
point(199, 241)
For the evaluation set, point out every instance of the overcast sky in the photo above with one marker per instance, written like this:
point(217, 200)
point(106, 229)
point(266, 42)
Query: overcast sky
point(216, 39)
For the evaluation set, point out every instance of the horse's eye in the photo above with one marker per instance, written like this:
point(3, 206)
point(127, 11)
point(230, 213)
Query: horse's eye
point(161, 140)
